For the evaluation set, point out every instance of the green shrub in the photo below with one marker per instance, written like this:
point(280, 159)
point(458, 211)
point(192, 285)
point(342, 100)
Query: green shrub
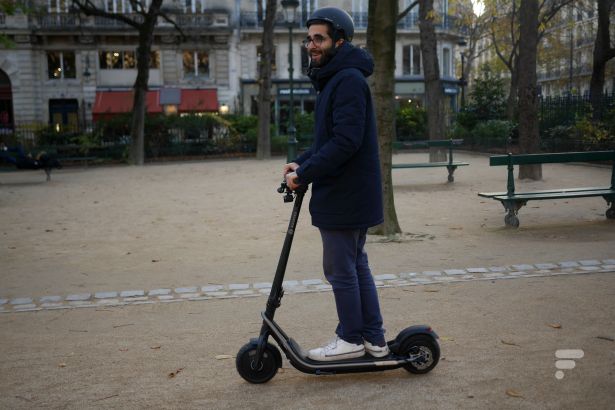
point(492, 133)
point(593, 135)
point(411, 123)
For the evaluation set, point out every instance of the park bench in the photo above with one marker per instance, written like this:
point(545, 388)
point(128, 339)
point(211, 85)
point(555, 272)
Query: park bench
point(450, 165)
point(513, 201)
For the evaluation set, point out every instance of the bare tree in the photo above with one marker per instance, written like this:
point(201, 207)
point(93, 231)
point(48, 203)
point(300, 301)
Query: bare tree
point(528, 89)
point(603, 52)
point(381, 32)
point(143, 20)
point(263, 145)
point(434, 100)
point(504, 32)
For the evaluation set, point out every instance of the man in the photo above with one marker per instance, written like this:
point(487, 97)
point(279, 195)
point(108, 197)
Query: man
point(343, 167)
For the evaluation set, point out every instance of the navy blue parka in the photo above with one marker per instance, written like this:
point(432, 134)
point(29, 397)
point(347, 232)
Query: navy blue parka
point(343, 163)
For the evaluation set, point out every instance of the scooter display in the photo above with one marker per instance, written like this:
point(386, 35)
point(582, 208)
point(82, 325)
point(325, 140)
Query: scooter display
point(415, 348)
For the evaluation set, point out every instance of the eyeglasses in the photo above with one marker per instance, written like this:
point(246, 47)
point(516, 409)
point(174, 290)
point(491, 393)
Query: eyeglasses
point(317, 40)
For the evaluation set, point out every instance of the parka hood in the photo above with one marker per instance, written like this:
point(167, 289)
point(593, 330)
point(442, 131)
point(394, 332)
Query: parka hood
point(347, 56)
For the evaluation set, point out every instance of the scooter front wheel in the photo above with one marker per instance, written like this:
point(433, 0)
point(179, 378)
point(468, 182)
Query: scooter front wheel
point(425, 349)
point(262, 372)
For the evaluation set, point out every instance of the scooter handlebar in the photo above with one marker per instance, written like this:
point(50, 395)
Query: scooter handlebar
point(288, 193)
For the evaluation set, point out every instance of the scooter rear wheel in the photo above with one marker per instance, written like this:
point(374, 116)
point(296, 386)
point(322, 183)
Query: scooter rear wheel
point(252, 372)
point(425, 346)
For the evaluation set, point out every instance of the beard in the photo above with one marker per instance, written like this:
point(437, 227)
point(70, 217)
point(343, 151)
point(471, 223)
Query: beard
point(326, 55)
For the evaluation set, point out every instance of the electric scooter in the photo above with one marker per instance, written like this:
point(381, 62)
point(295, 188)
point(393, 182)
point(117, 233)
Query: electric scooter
point(415, 348)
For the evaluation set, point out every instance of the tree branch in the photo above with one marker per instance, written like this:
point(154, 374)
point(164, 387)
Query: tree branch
point(89, 9)
point(407, 10)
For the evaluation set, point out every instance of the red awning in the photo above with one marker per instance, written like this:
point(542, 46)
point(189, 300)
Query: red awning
point(198, 101)
point(117, 102)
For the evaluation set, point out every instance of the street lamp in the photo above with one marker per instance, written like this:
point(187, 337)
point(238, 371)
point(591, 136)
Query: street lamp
point(462, 80)
point(290, 12)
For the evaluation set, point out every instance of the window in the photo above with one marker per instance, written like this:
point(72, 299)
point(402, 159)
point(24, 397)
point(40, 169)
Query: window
point(194, 6)
point(118, 6)
point(117, 60)
point(196, 64)
point(58, 6)
point(411, 60)
point(154, 60)
point(61, 64)
point(125, 60)
point(446, 62)
point(259, 52)
point(64, 114)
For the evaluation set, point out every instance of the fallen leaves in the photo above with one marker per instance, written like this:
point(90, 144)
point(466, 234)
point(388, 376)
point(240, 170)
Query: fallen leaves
point(124, 325)
point(506, 342)
point(610, 339)
point(513, 393)
point(555, 325)
point(175, 373)
point(155, 347)
point(223, 356)
point(62, 365)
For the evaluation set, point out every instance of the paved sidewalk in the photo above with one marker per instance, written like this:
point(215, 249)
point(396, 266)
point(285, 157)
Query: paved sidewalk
point(244, 290)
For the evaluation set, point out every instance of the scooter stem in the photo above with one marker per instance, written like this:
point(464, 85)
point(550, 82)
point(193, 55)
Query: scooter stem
point(277, 291)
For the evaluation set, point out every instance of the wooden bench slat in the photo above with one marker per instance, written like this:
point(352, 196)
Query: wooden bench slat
point(565, 190)
point(429, 164)
point(428, 143)
point(552, 158)
point(557, 195)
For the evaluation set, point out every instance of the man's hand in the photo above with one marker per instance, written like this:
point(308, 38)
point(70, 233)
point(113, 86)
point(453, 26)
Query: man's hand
point(290, 167)
point(291, 180)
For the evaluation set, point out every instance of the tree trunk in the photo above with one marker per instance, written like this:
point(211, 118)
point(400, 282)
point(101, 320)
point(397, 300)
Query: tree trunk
point(513, 92)
point(263, 145)
point(137, 129)
point(603, 52)
point(381, 32)
point(528, 90)
point(434, 100)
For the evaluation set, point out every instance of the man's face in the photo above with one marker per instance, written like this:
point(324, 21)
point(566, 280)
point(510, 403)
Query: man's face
point(321, 47)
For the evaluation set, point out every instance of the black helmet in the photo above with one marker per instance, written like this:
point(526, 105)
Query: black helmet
point(343, 26)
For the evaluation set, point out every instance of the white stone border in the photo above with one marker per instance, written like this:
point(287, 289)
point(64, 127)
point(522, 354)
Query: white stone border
point(244, 290)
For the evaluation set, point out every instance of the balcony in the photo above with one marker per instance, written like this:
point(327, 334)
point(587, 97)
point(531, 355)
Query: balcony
point(250, 20)
point(68, 21)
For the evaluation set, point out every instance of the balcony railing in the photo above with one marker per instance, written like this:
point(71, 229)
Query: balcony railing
point(250, 19)
point(64, 21)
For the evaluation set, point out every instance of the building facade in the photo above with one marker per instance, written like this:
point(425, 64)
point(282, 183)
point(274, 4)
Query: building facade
point(66, 69)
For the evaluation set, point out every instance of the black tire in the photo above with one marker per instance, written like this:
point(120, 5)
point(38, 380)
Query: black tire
point(425, 345)
point(271, 361)
point(610, 213)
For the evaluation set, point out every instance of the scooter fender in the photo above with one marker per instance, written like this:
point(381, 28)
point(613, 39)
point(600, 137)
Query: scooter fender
point(408, 333)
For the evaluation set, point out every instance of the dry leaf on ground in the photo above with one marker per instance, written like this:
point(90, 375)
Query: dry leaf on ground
point(175, 373)
point(513, 393)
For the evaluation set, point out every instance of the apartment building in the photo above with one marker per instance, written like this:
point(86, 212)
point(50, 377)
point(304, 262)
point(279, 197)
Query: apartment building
point(67, 69)
point(565, 53)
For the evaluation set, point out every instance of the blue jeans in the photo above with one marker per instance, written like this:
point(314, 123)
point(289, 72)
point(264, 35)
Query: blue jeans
point(347, 270)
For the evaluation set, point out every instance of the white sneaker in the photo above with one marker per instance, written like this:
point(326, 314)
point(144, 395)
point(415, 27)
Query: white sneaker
point(337, 349)
point(376, 351)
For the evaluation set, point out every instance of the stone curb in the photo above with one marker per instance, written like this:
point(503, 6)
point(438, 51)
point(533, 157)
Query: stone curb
point(245, 290)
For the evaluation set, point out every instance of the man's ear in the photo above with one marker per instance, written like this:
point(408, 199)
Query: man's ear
point(339, 42)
